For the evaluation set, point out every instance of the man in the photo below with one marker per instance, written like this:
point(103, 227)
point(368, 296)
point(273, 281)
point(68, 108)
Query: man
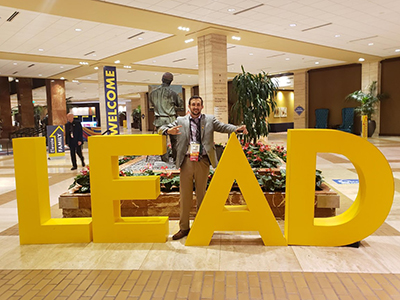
point(74, 139)
point(195, 153)
point(165, 102)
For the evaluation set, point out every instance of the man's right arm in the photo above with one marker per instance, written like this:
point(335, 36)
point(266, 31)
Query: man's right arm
point(164, 128)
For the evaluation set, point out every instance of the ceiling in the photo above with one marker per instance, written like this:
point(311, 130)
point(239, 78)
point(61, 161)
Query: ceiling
point(73, 39)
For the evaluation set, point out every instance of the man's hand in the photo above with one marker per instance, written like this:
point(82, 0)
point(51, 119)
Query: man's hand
point(79, 143)
point(174, 130)
point(242, 129)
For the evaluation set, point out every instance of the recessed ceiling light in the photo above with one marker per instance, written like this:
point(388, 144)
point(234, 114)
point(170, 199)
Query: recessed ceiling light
point(96, 68)
point(154, 61)
point(117, 61)
point(62, 78)
point(40, 49)
point(127, 67)
point(287, 58)
point(189, 41)
point(397, 50)
point(78, 29)
point(15, 64)
point(361, 59)
point(83, 63)
point(337, 35)
point(231, 9)
point(183, 28)
point(76, 81)
point(140, 38)
point(317, 62)
point(16, 80)
point(250, 53)
point(238, 38)
point(62, 67)
point(40, 75)
point(292, 25)
point(370, 44)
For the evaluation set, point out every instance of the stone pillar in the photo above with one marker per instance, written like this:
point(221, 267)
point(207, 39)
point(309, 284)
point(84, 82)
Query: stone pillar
point(144, 108)
point(301, 99)
point(371, 72)
point(188, 94)
point(25, 105)
point(128, 104)
point(5, 107)
point(56, 103)
point(102, 114)
point(213, 77)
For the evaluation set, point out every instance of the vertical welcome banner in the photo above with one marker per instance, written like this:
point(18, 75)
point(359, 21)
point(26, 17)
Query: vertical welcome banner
point(111, 95)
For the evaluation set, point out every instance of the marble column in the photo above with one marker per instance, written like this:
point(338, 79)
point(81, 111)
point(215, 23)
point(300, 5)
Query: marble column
point(5, 107)
point(301, 99)
point(128, 104)
point(102, 114)
point(371, 72)
point(213, 76)
point(56, 103)
point(25, 105)
point(188, 94)
point(144, 105)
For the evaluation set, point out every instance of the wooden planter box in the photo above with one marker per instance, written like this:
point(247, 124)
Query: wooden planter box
point(167, 204)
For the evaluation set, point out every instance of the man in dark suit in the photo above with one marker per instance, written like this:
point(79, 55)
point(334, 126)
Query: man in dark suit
point(195, 152)
point(74, 139)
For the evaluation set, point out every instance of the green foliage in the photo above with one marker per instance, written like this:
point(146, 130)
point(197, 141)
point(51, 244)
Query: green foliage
point(260, 156)
point(280, 152)
point(367, 101)
point(83, 179)
point(125, 159)
point(256, 100)
point(272, 181)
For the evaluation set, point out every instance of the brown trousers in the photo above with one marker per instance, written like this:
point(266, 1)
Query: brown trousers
point(197, 171)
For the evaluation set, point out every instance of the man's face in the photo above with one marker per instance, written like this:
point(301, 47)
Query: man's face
point(70, 118)
point(195, 107)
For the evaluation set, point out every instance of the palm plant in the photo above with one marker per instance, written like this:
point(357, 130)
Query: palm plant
point(367, 101)
point(256, 94)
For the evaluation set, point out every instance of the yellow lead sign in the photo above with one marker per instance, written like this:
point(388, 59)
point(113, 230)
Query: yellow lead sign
point(107, 188)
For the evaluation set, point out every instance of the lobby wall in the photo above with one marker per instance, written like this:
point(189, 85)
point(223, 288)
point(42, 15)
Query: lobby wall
point(328, 88)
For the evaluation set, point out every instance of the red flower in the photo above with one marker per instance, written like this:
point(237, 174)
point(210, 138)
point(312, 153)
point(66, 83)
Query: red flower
point(249, 152)
point(258, 159)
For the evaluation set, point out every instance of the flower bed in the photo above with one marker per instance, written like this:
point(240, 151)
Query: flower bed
point(264, 159)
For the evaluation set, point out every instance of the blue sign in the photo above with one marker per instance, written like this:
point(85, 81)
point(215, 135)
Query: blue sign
point(299, 110)
point(346, 181)
point(55, 140)
point(110, 90)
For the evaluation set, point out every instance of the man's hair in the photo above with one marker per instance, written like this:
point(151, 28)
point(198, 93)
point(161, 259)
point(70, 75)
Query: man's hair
point(196, 97)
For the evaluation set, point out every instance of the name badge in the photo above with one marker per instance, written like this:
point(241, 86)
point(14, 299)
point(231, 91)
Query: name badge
point(194, 151)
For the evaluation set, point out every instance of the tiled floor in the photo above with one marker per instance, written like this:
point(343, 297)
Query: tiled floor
point(234, 266)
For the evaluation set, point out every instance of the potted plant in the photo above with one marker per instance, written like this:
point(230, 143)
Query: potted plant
point(368, 104)
point(256, 94)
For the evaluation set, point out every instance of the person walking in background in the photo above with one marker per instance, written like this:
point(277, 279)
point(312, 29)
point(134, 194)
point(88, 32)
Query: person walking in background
point(195, 152)
point(74, 139)
point(165, 102)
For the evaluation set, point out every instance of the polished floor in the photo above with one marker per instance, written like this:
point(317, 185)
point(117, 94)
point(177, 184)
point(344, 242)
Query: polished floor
point(234, 266)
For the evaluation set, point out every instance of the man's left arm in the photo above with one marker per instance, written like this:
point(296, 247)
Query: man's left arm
point(228, 128)
point(80, 133)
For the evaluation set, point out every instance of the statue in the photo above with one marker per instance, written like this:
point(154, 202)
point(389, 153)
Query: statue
point(165, 102)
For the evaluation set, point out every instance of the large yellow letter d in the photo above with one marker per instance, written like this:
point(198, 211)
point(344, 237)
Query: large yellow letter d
point(366, 214)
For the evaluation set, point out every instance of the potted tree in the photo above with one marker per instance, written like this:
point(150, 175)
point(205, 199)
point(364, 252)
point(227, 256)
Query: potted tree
point(368, 104)
point(256, 100)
